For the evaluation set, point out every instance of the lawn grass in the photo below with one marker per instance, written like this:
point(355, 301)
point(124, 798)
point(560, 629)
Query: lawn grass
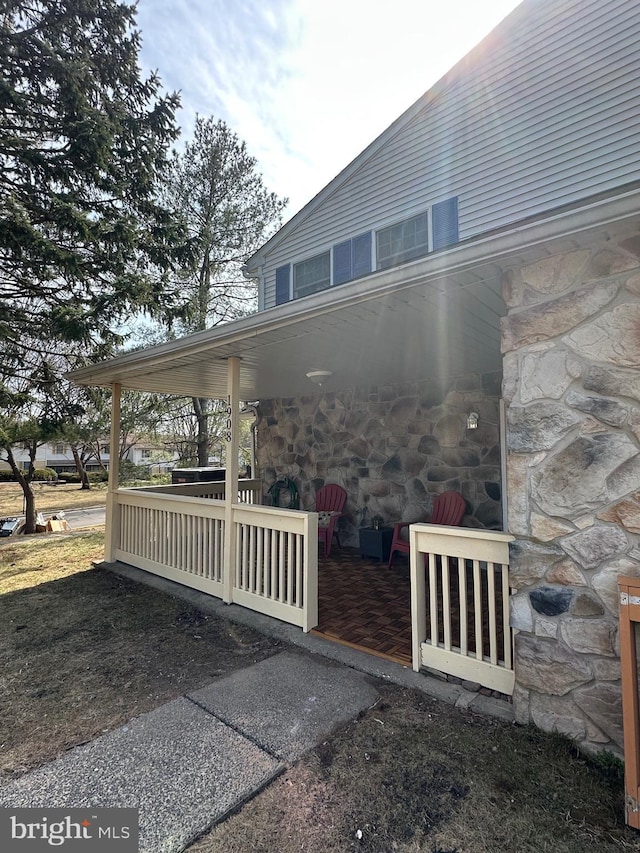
point(30, 561)
point(83, 650)
point(51, 499)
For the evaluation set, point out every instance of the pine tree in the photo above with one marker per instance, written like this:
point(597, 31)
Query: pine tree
point(83, 241)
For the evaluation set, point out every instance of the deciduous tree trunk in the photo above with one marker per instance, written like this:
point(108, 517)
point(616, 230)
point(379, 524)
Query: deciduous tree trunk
point(27, 491)
point(201, 407)
point(82, 471)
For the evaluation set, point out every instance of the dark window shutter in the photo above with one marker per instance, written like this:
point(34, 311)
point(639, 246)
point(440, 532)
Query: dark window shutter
point(361, 254)
point(283, 275)
point(342, 262)
point(444, 217)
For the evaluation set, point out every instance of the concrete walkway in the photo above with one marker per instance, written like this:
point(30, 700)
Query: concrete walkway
point(188, 763)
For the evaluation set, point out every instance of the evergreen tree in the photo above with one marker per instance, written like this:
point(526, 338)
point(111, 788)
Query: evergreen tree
point(83, 241)
point(215, 185)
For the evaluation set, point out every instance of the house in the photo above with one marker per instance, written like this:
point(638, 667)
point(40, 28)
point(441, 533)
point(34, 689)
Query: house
point(58, 456)
point(482, 256)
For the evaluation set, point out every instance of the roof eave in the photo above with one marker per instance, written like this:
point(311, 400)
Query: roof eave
point(494, 248)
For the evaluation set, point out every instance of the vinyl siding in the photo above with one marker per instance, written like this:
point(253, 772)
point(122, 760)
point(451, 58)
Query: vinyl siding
point(542, 114)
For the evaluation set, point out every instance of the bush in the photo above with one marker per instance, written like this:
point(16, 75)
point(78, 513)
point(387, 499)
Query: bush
point(130, 473)
point(69, 477)
point(6, 476)
point(161, 479)
point(98, 476)
point(44, 475)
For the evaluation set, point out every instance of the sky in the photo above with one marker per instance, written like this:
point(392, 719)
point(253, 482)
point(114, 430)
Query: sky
point(307, 84)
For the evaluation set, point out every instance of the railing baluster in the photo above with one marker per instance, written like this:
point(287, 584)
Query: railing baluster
point(433, 599)
point(289, 568)
point(477, 608)
point(281, 553)
point(257, 568)
point(462, 593)
point(446, 600)
point(273, 580)
point(245, 555)
point(506, 630)
point(299, 571)
point(252, 558)
point(237, 569)
point(491, 597)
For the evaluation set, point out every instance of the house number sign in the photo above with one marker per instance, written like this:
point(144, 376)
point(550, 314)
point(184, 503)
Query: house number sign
point(228, 430)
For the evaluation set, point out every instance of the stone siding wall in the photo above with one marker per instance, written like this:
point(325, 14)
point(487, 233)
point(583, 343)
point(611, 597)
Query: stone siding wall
point(392, 448)
point(571, 383)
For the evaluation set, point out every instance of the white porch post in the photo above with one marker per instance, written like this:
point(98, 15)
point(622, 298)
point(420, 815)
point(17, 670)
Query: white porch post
point(231, 476)
point(112, 525)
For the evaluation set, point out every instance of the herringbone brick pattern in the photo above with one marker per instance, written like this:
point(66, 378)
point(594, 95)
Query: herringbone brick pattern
point(365, 605)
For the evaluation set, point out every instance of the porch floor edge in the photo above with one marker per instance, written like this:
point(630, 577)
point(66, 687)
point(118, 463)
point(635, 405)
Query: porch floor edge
point(395, 673)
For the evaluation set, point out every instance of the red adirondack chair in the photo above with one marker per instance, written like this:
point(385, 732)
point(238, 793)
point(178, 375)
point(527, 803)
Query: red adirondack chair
point(448, 508)
point(330, 501)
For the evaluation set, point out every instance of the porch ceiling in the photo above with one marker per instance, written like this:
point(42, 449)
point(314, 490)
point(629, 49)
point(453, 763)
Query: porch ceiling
point(436, 317)
point(444, 327)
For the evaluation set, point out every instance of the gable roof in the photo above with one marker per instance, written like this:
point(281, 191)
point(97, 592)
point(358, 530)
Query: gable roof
point(501, 33)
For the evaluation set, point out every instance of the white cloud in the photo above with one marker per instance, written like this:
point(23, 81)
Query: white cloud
point(307, 84)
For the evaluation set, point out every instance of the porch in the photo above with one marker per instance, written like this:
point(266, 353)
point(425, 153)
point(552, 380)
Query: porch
point(266, 559)
point(364, 605)
point(447, 608)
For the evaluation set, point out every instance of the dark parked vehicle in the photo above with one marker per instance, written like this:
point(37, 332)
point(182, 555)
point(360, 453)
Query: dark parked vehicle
point(11, 526)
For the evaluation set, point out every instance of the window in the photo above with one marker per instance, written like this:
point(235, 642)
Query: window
point(60, 449)
point(434, 228)
point(409, 239)
point(403, 241)
point(147, 453)
point(312, 275)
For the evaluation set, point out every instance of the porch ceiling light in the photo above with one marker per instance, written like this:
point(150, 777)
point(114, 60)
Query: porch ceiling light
point(472, 420)
point(319, 377)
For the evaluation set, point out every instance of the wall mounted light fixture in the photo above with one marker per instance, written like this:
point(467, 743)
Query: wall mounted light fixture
point(472, 420)
point(319, 377)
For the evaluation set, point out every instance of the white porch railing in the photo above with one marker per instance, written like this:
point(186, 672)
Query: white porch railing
point(181, 537)
point(249, 491)
point(276, 568)
point(460, 603)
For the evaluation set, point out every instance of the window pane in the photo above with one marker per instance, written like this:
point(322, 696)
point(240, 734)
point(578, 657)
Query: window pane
point(312, 275)
point(403, 241)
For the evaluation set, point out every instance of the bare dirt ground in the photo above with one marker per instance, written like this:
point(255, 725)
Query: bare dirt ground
point(416, 775)
point(82, 651)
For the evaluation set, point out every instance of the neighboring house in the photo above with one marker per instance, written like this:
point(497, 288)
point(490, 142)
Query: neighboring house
point(58, 457)
point(481, 256)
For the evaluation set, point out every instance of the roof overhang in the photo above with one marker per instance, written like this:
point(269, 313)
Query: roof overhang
point(437, 317)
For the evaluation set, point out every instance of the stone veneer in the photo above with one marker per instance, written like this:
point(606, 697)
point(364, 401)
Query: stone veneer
point(392, 448)
point(571, 341)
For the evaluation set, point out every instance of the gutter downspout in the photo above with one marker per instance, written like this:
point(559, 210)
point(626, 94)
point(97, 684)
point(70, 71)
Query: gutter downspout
point(251, 411)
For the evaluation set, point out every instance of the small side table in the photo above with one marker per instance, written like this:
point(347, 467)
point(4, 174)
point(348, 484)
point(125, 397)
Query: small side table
point(376, 543)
